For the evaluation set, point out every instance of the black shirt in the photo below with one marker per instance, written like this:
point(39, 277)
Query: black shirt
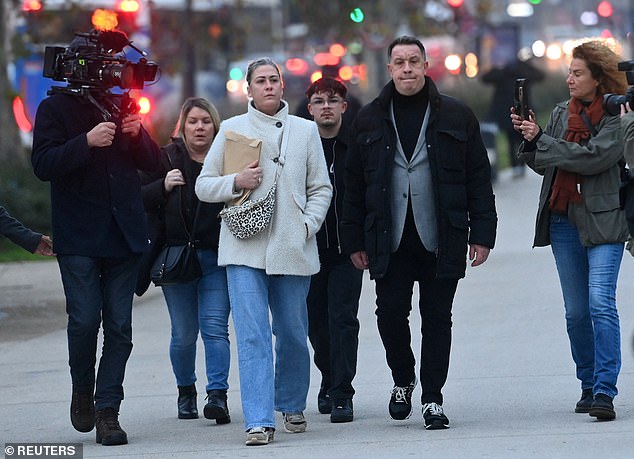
point(409, 113)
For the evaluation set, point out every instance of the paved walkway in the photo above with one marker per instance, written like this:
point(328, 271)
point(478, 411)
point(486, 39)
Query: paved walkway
point(510, 394)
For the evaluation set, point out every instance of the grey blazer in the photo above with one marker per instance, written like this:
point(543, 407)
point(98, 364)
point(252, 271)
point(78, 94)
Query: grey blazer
point(412, 180)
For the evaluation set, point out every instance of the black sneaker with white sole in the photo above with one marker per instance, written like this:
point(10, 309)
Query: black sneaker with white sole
point(434, 417)
point(400, 406)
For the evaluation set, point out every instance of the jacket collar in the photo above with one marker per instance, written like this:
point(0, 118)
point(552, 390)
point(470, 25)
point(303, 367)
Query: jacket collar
point(343, 135)
point(280, 115)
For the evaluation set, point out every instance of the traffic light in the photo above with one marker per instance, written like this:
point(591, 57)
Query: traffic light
point(357, 15)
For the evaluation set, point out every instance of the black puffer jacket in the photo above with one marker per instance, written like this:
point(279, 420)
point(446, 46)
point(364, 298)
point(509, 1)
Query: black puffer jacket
point(465, 204)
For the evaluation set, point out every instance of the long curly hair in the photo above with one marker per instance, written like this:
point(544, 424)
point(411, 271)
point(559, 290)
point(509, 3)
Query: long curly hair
point(602, 63)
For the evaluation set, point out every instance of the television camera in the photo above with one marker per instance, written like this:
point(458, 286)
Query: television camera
point(92, 65)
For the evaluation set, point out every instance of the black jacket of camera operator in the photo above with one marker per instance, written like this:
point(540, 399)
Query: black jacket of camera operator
point(97, 208)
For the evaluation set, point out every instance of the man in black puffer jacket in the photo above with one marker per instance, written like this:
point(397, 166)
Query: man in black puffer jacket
point(418, 191)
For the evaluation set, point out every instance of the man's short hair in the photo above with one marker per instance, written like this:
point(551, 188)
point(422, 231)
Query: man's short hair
point(328, 85)
point(405, 40)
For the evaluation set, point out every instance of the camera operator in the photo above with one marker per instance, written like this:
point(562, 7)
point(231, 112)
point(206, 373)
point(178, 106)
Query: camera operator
point(99, 232)
point(579, 216)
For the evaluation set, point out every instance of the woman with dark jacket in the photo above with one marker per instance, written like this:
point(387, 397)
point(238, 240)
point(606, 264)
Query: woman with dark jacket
point(201, 304)
point(579, 154)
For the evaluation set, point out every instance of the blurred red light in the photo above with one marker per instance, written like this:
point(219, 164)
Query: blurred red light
point(337, 49)
point(145, 105)
point(605, 9)
point(322, 59)
point(455, 3)
point(346, 73)
point(104, 19)
point(21, 118)
point(31, 5)
point(297, 66)
point(128, 6)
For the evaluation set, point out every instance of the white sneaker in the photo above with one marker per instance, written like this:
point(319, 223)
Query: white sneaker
point(294, 422)
point(257, 436)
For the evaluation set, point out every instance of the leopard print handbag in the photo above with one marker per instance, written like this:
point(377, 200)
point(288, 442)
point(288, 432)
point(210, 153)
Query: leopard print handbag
point(251, 217)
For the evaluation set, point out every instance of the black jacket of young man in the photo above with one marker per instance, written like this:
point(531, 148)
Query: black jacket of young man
point(329, 236)
point(461, 176)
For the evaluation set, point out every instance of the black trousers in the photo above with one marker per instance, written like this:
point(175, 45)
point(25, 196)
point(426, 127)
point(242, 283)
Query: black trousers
point(413, 263)
point(333, 327)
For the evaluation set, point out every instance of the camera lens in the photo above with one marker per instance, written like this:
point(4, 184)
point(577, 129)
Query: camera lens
point(612, 103)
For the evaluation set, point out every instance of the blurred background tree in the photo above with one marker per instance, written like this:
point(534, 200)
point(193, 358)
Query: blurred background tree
point(9, 134)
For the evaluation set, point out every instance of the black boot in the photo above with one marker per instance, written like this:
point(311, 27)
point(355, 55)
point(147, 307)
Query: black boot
point(109, 432)
point(82, 411)
point(187, 408)
point(216, 407)
point(585, 402)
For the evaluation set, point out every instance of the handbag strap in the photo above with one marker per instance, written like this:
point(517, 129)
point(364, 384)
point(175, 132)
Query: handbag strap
point(586, 120)
point(190, 234)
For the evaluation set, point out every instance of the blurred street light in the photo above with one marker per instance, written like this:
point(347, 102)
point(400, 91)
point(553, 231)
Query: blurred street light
point(519, 9)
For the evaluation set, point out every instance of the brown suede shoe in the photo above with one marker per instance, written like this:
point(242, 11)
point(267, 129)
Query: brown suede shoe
point(109, 432)
point(82, 411)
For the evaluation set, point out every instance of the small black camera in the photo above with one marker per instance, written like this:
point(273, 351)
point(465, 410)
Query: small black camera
point(520, 98)
point(90, 61)
point(612, 102)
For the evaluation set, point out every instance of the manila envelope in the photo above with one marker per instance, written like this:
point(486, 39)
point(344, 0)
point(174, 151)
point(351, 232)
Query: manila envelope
point(239, 152)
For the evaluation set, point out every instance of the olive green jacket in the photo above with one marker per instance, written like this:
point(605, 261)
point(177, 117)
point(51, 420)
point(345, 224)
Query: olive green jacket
point(627, 126)
point(598, 217)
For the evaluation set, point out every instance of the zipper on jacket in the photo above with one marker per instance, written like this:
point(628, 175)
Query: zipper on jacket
point(334, 195)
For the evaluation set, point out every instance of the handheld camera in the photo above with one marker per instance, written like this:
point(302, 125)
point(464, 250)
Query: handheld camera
point(520, 98)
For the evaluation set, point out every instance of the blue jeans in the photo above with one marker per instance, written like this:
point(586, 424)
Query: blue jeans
point(99, 291)
point(200, 304)
point(268, 385)
point(588, 278)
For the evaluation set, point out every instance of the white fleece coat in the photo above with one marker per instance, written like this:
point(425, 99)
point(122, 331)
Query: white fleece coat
point(288, 245)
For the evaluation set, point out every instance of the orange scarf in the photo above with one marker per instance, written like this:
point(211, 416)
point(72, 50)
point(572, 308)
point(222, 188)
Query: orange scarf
point(566, 185)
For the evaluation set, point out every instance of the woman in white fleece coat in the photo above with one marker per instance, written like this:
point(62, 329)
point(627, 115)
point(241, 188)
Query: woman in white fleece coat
point(271, 271)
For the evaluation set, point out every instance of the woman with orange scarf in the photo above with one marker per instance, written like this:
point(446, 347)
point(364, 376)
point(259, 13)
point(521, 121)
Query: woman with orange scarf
point(579, 155)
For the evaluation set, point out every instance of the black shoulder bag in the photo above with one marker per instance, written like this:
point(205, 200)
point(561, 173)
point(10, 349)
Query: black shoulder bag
point(177, 264)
